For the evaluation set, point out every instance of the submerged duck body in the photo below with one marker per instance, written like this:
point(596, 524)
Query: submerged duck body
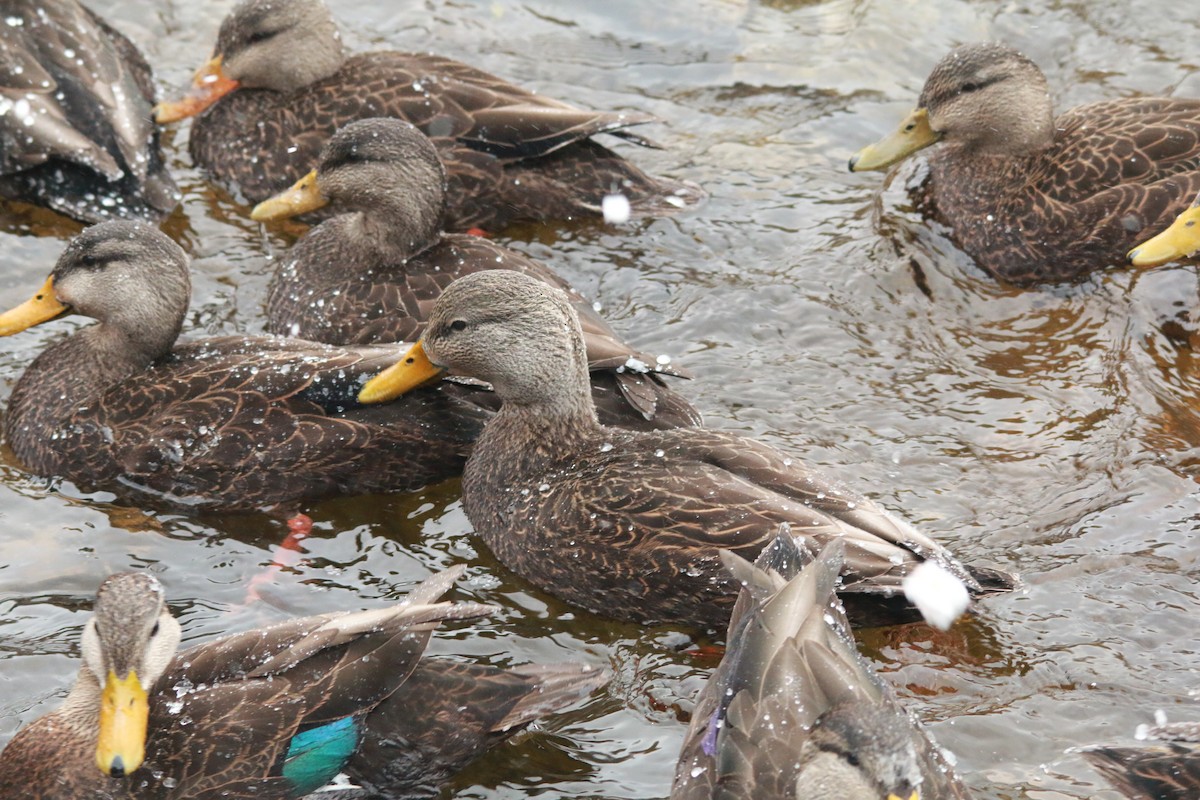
point(631, 524)
point(1165, 765)
point(1033, 198)
point(371, 273)
point(75, 128)
point(275, 713)
point(230, 422)
point(793, 710)
point(280, 85)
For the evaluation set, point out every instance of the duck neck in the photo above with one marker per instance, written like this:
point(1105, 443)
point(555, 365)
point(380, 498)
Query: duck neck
point(72, 374)
point(80, 711)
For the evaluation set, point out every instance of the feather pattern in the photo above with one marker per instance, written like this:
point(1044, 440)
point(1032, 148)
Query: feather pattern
point(1164, 767)
point(793, 710)
point(75, 132)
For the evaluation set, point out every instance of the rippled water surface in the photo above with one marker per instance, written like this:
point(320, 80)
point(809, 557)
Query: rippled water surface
point(1052, 432)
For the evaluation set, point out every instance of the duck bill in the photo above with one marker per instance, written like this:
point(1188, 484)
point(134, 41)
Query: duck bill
point(42, 307)
point(1177, 242)
point(913, 796)
point(913, 134)
point(124, 714)
point(210, 85)
point(303, 197)
point(414, 370)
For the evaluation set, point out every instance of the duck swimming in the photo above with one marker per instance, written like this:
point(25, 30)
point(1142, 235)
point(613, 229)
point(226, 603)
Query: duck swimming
point(1031, 197)
point(793, 710)
point(279, 85)
point(271, 714)
point(371, 273)
point(631, 524)
point(235, 422)
point(75, 128)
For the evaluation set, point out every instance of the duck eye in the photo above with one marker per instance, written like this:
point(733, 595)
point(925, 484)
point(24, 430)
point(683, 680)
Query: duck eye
point(458, 325)
point(154, 631)
point(970, 87)
point(260, 36)
point(89, 260)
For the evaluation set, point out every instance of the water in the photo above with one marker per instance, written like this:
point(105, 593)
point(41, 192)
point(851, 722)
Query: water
point(1052, 432)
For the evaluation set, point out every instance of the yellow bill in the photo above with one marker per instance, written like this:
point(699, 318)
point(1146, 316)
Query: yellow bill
point(42, 307)
point(913, 796)
point(124, 714)
point(913, 134)
point(210, 85)
point(303, 197)
point(414, 370)
point(1177, 242)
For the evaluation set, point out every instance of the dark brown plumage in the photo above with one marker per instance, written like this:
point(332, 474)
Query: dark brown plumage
point(509, 153)
point(793, 710)
point(1033, 198)
point(631, 524)
point(75, 128)
point(272, 714)
point(372, 273)
point(229, 423)
point(1165, 766)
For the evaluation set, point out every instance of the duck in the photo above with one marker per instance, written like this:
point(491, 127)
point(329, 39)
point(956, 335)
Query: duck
point(280, 84)
point(273, 713)
point(1166, 766)
point(371, 273)
point(631, 524)
point(1180, 240)
point(793, 710)
point(1033, 198)
point(231, 423)
point(76, 133)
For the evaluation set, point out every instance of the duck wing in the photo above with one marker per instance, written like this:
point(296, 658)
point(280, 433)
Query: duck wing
point(276, 712)
point(245, 422)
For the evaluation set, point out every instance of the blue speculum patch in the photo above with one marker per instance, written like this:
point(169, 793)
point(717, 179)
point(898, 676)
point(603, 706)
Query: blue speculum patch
point(317, 755)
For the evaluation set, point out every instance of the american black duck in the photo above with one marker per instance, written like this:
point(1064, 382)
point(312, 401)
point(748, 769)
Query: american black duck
point(371, 273)
point(280, 84)
point(1180, 240)
point(75, 127)
point(232, 423)
point(272, 714)
point(793, 710)
point(625, 523)
point(1166, 766)
point(1032, 197)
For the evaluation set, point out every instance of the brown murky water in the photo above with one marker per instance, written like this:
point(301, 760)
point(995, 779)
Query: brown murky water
point(1052, 432)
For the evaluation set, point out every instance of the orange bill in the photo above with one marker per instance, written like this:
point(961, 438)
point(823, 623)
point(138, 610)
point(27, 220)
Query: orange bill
point(42, 307)
point(124, 715)
point(209, 86)
point(304, 196)
point(414, 370)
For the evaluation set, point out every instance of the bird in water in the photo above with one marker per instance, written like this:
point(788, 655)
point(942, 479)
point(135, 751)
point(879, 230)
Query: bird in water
point(279, 84)
point(1036, 198)
point(229, 423)
point(632, 524)
point(275, 713)
point(371, 273)
point(76, 133)
point(793, 710)
point(1164, 766)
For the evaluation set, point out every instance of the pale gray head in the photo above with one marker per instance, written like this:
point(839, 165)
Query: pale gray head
point(386, 168)
point(130, 277)
point(517, 333)
point(281, 45)
point(990, 98)
point(859, 750)
point(131, 630)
